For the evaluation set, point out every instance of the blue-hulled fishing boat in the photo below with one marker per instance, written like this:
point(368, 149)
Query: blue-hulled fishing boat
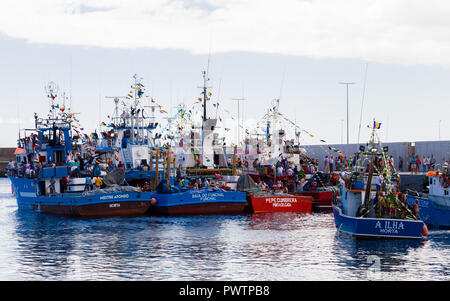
point(173, 200)
point(199, 201)
point(434, 207)
point(126, 139)
point(365, 210)
point(44, 180)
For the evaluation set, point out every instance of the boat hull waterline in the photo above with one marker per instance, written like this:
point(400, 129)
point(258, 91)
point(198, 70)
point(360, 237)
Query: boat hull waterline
point(197, 202)
point(98, 204)
point(382, 228)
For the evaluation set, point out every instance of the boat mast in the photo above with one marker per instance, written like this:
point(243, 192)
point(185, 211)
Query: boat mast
point(204, 94)
point(135, 87)
point(374, 152)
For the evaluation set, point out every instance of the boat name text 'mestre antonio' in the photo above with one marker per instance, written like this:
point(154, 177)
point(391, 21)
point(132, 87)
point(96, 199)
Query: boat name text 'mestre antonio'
point(112, 197)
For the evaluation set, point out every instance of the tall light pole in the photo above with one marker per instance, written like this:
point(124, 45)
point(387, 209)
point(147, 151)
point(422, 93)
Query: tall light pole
point(440, 129)
point(345, 83)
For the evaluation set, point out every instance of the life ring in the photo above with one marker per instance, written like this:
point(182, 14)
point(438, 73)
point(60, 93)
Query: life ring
point(246, 164)
point(445, 182)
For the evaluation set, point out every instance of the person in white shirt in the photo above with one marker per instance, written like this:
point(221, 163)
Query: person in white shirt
point(379, 182)
point(301, 184)
point(12, 167)
point(280, 170)
point(326, 165)
point(289, 172)
point(331, 162)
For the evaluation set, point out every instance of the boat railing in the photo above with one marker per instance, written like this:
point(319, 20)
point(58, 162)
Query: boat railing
point(57, 172)
point(20, 173)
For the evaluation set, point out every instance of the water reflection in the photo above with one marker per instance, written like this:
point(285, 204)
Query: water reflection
point(360, 254)
point(269, 246)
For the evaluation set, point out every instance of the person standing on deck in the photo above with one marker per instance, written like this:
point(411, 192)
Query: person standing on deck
point(326, 163)
point(428, 163)
point(433, 162)
point(418, 162)
point(88, 182)
point(280, 171)
point(52, 185)
point(413, 165)
point(416, 209)
point(98, 182)
point(379, 182)
point(331, 162)
point(400, 163)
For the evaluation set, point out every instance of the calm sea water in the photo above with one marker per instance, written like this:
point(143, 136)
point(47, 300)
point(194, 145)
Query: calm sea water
point(282, 246)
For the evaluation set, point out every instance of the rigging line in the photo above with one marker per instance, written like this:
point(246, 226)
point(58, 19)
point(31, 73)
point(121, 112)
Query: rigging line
point(282, 81)
point(218, 97)
point(362, 101)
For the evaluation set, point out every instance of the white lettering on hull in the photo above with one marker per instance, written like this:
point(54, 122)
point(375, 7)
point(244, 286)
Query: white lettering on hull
point(389, 227)
point(112, 197)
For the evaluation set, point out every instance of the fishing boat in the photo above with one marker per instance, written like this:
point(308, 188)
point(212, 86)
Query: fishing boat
point(259, 200)
point(45, 180)
point(434, 207)
point(127, 139)
point(198, 202)
point(322, 190)
point(198, 198)
point(365, 211)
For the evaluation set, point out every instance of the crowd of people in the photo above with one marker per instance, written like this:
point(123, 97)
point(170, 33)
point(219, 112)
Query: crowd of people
point(385, 205)
point(425, 164)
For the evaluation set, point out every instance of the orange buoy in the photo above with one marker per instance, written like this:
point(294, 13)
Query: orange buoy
point(153, 201)
point(425, 230)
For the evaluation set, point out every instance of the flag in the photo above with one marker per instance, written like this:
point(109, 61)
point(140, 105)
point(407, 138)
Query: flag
point(376, 125)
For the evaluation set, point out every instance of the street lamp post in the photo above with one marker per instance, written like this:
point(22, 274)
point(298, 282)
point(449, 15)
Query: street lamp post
point(345, 83)
point(440, 129)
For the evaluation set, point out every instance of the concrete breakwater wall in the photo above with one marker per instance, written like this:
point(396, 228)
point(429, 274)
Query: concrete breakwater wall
point(401, 151)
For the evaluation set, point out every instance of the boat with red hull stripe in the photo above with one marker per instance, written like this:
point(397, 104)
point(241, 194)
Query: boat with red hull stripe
point(115, 209)
point(322, 200)
point(280, 203)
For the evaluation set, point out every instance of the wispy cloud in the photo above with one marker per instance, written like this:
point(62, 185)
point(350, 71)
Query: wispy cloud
point(399, 31)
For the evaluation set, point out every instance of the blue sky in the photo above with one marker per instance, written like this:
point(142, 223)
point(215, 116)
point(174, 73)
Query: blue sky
point(301, 48)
